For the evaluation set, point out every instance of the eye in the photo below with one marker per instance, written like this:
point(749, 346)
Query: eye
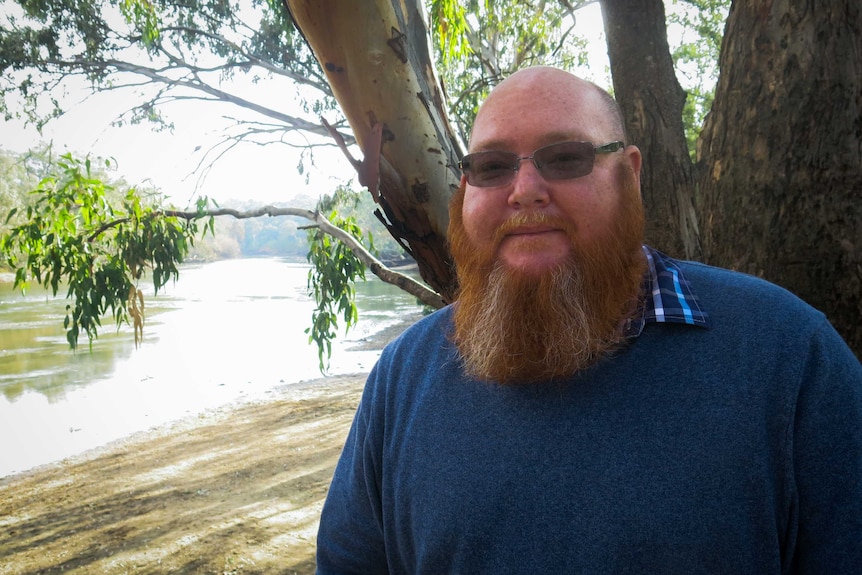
point(489, 165)
point(563, 159)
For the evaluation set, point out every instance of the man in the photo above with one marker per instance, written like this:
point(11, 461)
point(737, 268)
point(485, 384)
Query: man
point(590, 405)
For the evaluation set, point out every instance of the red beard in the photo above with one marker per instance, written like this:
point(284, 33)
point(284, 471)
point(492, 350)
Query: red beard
point(514, 327)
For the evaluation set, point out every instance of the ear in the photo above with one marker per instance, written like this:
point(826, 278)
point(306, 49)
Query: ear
point(633, 155)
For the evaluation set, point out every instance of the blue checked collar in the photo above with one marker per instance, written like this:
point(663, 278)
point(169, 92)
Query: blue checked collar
point(666, 296)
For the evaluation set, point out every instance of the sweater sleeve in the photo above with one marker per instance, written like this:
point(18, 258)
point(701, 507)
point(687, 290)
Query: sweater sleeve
point(826, 447)
point(350, 537)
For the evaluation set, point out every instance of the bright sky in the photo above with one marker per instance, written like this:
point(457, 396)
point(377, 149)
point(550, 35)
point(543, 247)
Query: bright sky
point(167, 160)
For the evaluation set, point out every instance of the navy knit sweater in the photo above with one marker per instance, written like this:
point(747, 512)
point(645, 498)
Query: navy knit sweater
point(735, 449)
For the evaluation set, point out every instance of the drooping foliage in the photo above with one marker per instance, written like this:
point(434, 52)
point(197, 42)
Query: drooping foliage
point(76, 236)
point(335, 269)
point(98, 241)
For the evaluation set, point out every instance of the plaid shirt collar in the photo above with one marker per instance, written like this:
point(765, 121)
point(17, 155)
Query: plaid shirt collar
point(666, 296)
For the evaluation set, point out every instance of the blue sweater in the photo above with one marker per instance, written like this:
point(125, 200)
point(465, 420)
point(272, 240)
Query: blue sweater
point(735, 449)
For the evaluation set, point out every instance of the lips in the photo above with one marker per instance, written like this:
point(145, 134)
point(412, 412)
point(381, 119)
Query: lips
point(525, 225)
point(532, 230)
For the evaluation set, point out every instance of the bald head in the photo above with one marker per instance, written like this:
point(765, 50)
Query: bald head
point(555, 92)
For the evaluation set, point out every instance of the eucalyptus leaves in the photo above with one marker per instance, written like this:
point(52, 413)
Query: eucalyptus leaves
point(76, 235)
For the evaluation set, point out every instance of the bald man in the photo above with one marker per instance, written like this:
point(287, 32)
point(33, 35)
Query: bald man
point(590, 405)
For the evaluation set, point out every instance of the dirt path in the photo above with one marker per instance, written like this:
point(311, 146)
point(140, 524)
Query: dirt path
point(233, 491)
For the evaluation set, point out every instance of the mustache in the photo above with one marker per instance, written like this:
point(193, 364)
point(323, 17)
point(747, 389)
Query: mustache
point(531, 218)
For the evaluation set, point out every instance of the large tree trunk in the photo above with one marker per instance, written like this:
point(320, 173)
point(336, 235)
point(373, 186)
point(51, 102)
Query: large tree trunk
point(652, 101)
point(782, 180)
point(376, 58)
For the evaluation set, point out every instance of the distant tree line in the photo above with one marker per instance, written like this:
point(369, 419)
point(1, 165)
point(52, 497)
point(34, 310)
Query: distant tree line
point(288, 237)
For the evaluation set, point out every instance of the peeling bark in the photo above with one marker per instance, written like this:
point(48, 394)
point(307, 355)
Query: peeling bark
point(376, 58)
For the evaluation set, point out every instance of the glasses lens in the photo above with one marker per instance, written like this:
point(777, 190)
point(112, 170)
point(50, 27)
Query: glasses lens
point(487, 169)
point(565, 160)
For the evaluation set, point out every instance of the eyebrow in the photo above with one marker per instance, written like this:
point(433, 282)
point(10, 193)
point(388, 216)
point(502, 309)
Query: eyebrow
point(545, 140)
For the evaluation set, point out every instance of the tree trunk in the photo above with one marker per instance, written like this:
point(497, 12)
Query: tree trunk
point(652, 100)
point(376, 58)
point(782, 150)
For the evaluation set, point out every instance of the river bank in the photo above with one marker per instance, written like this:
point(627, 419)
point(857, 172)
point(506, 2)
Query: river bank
point(233, 490)
point(226, 331)
point(237, 490)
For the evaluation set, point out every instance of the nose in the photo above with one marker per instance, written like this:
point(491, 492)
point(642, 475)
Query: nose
point(529, 188)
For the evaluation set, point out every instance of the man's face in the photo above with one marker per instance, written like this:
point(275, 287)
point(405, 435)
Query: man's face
point(521, 118)
point(548, 270)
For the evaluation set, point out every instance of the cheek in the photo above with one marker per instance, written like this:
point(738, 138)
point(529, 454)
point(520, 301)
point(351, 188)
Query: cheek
point(589, 208)
point(478, 215)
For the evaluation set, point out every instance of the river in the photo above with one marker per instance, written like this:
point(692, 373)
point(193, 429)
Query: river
point(225, 331)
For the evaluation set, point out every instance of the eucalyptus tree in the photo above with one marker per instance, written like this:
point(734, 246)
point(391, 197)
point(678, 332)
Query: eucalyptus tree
point(193, 51)
point(774, 190)
point(777, 169)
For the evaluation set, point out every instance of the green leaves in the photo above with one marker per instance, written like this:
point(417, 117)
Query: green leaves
point(698, 26)
point(450, 26)
point(143, 16)
point(479, 42)
point(74, 235)
point(183, 50)
point(330, 281)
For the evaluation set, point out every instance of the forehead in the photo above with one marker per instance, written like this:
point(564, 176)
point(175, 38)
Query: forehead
point(529, 112)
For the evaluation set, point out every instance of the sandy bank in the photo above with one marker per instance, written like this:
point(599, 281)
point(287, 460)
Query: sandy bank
point(235, 490)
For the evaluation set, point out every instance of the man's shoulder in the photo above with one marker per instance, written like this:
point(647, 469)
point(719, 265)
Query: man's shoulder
point(436, 321)
point(744, 301)
point(723, 276)
point(410, 364)
point(741, 290)
point(429, 332)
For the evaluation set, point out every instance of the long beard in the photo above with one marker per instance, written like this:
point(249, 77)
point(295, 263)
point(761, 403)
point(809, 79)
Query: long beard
point(513, 327)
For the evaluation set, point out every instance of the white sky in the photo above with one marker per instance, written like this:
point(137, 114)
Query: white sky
point(167, 160)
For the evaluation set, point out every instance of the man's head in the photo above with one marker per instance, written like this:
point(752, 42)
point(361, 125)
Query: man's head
point(549, 265)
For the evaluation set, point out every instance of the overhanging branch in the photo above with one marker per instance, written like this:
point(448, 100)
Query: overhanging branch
point(399, 280)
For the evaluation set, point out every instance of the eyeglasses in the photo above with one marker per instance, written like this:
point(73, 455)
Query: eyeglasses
point(563, 161)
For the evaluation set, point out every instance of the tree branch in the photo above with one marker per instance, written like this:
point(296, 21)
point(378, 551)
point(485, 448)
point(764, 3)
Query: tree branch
point(158, 76)
point(294, 122)
point(320, 84)
point(404, 282)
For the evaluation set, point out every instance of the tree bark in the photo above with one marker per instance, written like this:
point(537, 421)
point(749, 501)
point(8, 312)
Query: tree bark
point(376, 58)
point(782, 153)
point(652, 100)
